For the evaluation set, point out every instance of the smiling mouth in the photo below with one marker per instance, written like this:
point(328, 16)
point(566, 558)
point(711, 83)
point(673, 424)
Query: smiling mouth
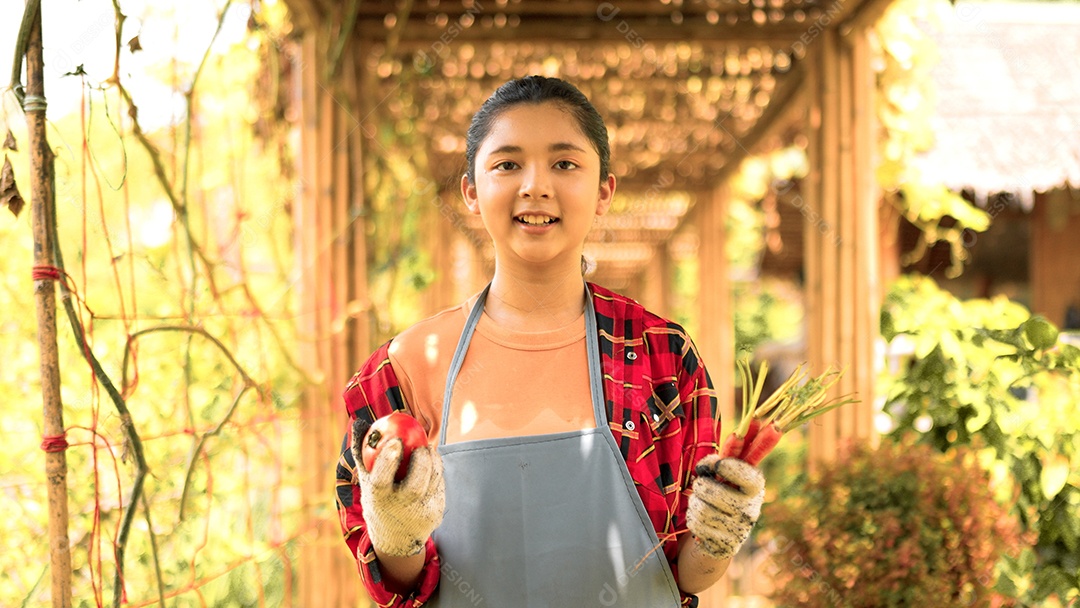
point(536, 220)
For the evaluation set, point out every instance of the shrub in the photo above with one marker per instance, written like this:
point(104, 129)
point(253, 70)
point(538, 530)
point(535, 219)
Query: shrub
point(986, 374)
point(900, 525)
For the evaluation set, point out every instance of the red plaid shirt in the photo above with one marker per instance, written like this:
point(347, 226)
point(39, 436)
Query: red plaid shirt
point(661, 409)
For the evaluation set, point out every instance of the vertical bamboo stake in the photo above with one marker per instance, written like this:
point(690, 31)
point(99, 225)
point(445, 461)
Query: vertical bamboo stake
point(850, 300)
point(44, 216)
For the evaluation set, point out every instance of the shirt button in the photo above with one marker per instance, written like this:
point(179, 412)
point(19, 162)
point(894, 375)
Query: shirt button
point(631, 355)
point(630, 425)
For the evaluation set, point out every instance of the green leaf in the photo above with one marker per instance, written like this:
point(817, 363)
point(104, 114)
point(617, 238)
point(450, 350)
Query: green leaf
point(888, 328)
point(981, 417)
point(1006, 586)
point(1049, 580)
point(1027, 560)
point(951, 348)
point(1054, 474)
point(925, 344)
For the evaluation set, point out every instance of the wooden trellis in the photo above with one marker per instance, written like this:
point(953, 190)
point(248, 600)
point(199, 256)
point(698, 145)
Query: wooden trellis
point(688, 88)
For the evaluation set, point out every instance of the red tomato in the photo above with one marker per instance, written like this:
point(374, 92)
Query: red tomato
point(398, 425)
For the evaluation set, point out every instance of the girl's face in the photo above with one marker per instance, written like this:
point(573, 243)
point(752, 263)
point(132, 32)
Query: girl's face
point(537, 186)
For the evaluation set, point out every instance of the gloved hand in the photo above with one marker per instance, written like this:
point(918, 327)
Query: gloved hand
point(725, 504)
point(400, 516)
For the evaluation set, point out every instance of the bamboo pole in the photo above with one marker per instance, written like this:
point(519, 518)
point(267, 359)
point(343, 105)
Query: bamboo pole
point(361, 333)
point(44, 218)
point(306, 250)
point(868, 198)
point(812, 241)
point(830, 209)
point(850, 300)
point(716, 328)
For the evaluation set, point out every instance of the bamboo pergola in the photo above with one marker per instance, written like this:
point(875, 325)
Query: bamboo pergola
point(688, 89)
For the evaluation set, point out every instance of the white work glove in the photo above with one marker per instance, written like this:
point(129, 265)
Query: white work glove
point(721, 514)
point(400, 516)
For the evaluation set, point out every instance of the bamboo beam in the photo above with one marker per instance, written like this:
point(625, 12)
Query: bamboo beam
point(43, 207)
point(846, 15)
point(786, 106)
point(864, 16)
point(306, 14)
point(636, 31)
point(564, 8)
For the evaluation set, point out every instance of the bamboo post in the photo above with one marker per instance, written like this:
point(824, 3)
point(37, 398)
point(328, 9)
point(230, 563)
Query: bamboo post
point(313, 484)
point(44, 217)
point(842, 235)
point(869, 277)
point(716, 330)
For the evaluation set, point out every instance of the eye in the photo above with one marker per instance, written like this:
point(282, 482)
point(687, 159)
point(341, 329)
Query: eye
point(506, 165)
point(566, 164)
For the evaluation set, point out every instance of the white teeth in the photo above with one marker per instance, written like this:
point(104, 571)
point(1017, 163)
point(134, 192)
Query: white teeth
point(536, 220)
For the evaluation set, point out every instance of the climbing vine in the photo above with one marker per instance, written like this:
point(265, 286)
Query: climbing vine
point(905, 56)
point(177, 346)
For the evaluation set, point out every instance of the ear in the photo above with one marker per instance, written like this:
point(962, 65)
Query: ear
point(468, 192)
point(607, 192)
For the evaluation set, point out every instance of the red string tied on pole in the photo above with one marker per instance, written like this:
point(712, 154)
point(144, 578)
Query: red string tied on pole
point(54, 443)
point(42, 272)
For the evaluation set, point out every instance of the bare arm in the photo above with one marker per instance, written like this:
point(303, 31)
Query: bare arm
point(698, 570)
point(725, 504)
point(400, 574)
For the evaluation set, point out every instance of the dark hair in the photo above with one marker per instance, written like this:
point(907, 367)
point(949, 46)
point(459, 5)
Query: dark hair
point(536, 90)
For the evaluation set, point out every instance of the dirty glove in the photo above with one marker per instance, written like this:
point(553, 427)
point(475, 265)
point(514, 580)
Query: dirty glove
point(725, 504)
point(401, 515)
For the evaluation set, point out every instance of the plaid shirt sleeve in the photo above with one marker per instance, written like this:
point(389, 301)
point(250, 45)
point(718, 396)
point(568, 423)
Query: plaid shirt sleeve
point(661, 410)
point(372, 393)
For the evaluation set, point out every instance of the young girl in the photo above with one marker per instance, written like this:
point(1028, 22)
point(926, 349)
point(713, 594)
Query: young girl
point(568, 425)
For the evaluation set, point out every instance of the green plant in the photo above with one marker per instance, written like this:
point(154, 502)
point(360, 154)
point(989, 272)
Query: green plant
point(899, 525)
point(985, 373)
point(184, 289)
point(905, 56)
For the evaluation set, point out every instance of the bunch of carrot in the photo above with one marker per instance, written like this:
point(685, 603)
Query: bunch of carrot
point(796, 401)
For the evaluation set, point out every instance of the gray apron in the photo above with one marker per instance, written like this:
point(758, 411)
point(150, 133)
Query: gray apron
point(545, 520)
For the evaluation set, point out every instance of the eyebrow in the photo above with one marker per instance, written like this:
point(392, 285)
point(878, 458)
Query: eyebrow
point(556, 147)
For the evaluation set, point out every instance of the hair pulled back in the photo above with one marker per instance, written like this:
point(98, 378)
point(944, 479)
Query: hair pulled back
point(537, 90)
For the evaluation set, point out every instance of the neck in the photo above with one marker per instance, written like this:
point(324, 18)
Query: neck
point(536, 300)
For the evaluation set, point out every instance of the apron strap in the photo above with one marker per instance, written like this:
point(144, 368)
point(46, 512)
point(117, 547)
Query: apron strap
point(459, 358)
point(592, 347)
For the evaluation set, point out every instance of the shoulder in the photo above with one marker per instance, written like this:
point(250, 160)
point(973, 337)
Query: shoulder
point(621, 309)
point(667, 342)
point(377, 384)
point(437, 333)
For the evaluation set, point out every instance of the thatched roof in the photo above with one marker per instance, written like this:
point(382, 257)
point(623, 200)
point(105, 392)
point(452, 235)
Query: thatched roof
point(1008, 99)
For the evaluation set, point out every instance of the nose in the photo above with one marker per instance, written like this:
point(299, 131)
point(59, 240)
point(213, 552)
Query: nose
point(535, 183)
